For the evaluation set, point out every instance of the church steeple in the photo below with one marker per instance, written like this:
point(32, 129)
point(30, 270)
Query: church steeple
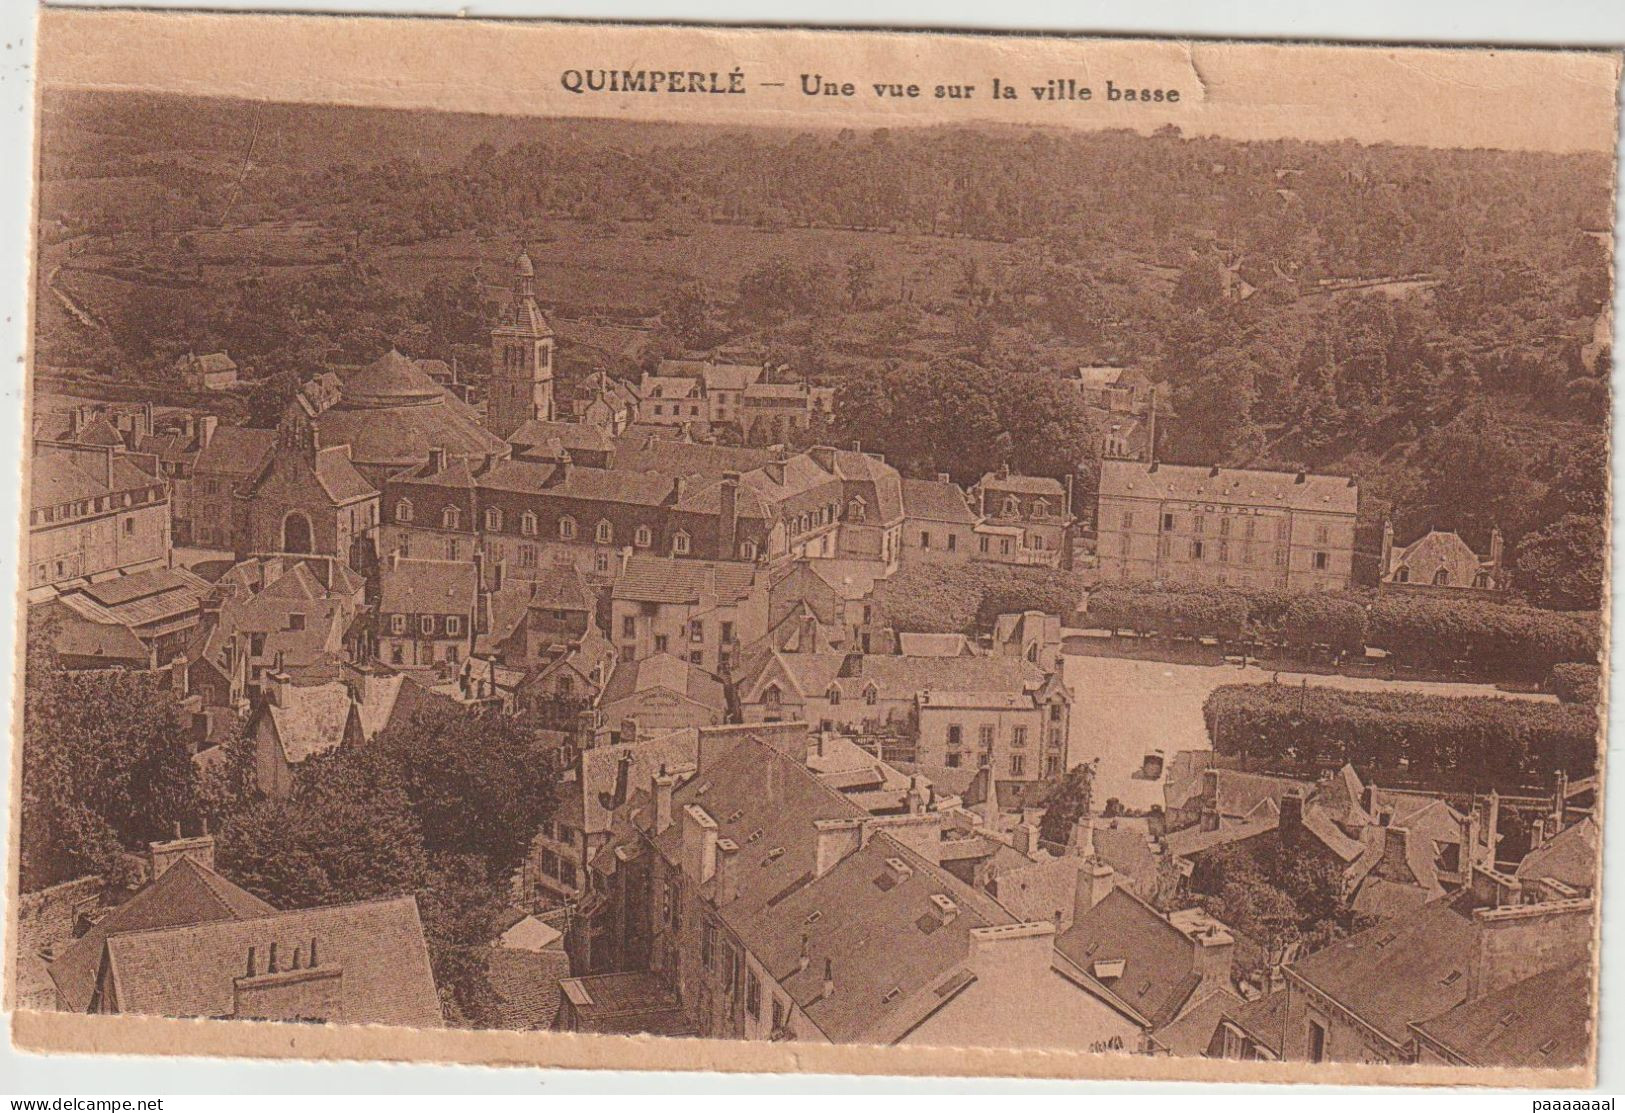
point(521, 382)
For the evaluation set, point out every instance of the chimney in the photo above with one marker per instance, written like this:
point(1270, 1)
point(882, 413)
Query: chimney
point(679, 484)
point(1004, 470)
point(1497, 544)
point(1026, 839)
point(699, 843)
point(1213, 472)
point(944, 477)
point(728, 516)
point(162, 855)
point(804, 960)
point(1387, 564)
point(916, 795)
point(664, 785)
point(1302, 477)
point(270, 964)
point(727, 888)
point(1291, 811)
point(1082, 841)
point(1215, 950)
point(829, 980)
point(1094, 881)
point(437, 460)
point(1395, 865)
point(252, 970)
point(836, 838)
point(824, 456)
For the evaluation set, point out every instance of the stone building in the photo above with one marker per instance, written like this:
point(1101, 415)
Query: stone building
point(94, 511)
point(520, 387)
point(1025, 519)
point(1441, 562)
point(308, 498)
point(1242, 527)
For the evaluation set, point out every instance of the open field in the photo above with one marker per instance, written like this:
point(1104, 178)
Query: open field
point(1127, 708)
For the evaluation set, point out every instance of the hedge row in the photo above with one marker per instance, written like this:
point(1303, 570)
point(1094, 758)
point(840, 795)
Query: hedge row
point(963, 598)
point(1575, 683)
point(1497, 638)
point(1507, 739)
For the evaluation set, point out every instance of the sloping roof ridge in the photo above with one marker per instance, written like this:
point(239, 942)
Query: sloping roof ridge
point(280, 913)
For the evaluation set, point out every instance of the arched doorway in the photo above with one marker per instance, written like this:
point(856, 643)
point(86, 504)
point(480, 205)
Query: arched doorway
point(296, 533)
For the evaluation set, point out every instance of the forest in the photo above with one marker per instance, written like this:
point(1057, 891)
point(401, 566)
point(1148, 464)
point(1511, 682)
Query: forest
point(1432, 321)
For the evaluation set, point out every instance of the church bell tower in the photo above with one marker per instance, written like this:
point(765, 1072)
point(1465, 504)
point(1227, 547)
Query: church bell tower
point(520, 388)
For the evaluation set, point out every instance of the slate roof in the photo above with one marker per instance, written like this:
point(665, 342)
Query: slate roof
point(600, 767)
point(1159, 972)
point(887, 945)
point(716, 376)
point(338, 477)
point(655, 579)
point(662, 670)
point(934, 645)
point(77, 636)
point(1569, 857)
point(157, 601)
point(1264, 1020)
point(1542, 1021)
point(310, 719)
point(63, 475)
point(572, 436)
point(526, 984)
point(390, 413)
point(188, 971)
point(235, 451)
point(1041, 890)
point(626, 1002)
point(930, 500)
point(416, 586)
point(1398, 971)
point(1022, 484)
point(1192, 1032)
point(900, 678)
point(185, 893)
point(641, 450)
point(1232, 486)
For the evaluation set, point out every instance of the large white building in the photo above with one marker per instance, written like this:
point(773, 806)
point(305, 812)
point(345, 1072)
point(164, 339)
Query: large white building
point(1236, 526)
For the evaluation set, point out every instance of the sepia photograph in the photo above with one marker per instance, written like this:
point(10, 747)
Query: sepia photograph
point(1089, 553)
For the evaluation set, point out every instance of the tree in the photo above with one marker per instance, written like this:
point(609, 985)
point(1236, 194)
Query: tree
point(269, 400)
point(106, 765)
point(860, 278)
point(1561, 566)
point(1072, 799)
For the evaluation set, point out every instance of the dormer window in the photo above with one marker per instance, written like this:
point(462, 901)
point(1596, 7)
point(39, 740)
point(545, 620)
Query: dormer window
point(857, 509)
point(403, 510)
point(567, 528)
point(747, 550)
point(1041, 508)
point(833, 695)
point(871, 695)
point(605, 532)
point(679, 543)
point(1012, 506)
point(1402, 575)
point(772, 696)
point(527, 524)
point(493, 519)
point(643, 538)
point(451, 518)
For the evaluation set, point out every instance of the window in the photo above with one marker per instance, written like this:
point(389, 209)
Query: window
point(778, 1014)
point(727, 633)
point(679, 543)
point(454, 551)
point(1441, 578)
point(1018, 736)
point(1320, 535)
point(984, 736)
point(771, 696)
point(493, 519)
point(296, 621)
point(567, 528)
point(1018, 765)
point(426, 624)
point(1249, 529)
point(643, 538)
point(697, 658)
point(129, 526)
point(1323, 561)
point(985, 546)
point(1128, 519)
point(403, 510)
point(1041, 508)
point(397, 624)
point(953, 542)
point(661, 642)
point(1403, 574)
point(1196, 550)
point(1012, 506)
point(527, 524)
point(1280, 557)
point(1224, 551)
point(857, 509)
point(696, 631)
point(747, 550)
point(953, 759)
point(871, 695)
point(1167, 521)
point(1199, 523)
point(396, 655)
point(1052, 765)
point(454, 625)
point(753, 995)
point(527, 556)
point(833, 696)
point(600, 562)
point(1281, 529)
point(605, 533)
point(451, 518)
point(1054, 712)
point(256, 645)
point(629, 626)
point(925, 539)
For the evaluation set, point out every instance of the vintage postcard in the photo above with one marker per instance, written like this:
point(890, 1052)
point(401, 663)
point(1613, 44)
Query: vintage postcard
point(658, 546)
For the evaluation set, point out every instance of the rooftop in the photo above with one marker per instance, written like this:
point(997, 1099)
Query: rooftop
point(1232, 486)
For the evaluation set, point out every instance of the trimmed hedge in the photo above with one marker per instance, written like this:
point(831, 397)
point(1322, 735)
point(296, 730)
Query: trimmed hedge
point(1499, 639)
point(1576, 683)
point(1508, 739)
point(964, 598)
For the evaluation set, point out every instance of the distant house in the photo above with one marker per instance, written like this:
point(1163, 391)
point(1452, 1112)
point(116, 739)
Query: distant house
point(1440, 561)
point(938, 523)
point(1025, 519)
point(215, 371)
point(159, 608)
point(700, 611)
point(229, 456)
point(427, 611)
